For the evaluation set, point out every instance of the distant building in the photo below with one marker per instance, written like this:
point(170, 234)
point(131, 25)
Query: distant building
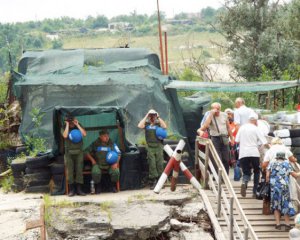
point(180, 21)
point(52, 36)
point(121, 26)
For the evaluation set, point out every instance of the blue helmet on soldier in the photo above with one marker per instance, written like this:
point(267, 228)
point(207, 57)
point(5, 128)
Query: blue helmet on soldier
point(112, 157)
point(161, 133)
point(75, 136)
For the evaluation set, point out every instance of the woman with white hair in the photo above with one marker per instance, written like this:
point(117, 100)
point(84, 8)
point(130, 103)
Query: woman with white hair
point(278, 174)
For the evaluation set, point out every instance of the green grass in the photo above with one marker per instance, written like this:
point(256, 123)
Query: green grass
point(177, 50)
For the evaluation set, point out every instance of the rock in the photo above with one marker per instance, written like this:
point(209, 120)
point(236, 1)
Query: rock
point(140, 220)
point(195, 233)
point(16, 210)
point(177, 225)
point(87, 221)
point(173, 235)
point(190, 211)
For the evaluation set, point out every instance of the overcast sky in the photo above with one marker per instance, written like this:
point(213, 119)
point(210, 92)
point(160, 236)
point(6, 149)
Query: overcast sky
point(26, 10)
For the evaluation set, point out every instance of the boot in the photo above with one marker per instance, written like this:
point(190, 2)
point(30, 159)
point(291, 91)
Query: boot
point(79, 190)
point(153, 184)
point(113, 188)
point(98, 188)
point(71, 190)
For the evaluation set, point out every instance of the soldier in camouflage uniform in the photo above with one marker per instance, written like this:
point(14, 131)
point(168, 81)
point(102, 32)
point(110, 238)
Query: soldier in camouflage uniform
point(73, 156)
point(154, 146)
point(97, 155)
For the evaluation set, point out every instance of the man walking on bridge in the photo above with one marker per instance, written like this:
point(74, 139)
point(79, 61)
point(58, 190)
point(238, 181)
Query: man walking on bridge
point(249, 137)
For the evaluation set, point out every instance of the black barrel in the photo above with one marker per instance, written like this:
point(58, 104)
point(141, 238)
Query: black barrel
point(131, 170)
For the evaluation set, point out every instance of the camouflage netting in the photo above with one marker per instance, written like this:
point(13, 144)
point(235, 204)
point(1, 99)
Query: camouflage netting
point(127, 78)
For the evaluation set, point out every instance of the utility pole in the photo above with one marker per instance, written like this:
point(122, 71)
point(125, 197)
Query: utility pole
point(160, 41)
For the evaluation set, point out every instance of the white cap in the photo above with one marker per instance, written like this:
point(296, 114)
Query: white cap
point(228, 110)
point(294, 234)
point(152, 111)
point(253, 116)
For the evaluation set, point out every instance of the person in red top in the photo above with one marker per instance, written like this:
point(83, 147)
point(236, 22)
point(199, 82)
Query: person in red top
point(233, 153)
point(232, 124)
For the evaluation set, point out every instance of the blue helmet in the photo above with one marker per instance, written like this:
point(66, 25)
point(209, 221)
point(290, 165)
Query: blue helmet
point(161, 133)
point(75, 136)
point(112, 157)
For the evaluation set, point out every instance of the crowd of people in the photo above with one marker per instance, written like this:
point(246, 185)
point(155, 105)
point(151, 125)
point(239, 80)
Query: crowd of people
point(238, 129)
point(232, 129)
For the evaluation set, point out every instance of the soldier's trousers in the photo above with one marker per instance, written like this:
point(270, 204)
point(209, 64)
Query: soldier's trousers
point(155, 160)
point(74, 165)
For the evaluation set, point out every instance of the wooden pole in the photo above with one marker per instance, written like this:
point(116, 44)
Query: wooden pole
point(231, 219)
point(197, 168)
point(283, 102)
point(160, 41)
point(219, 192)
point(206, 165)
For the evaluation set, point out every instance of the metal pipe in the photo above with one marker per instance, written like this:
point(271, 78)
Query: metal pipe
point(160, 41)
point(184, 169)
point(176, 156)
point(166, 54)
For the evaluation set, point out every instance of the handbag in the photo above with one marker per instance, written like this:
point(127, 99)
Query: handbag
point(266, 210)
point(261, 185)
point(266, 191)
point(223, 138)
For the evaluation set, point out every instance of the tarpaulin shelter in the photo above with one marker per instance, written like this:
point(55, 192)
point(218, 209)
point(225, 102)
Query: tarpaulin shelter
point(126, 78)
point(232, 86)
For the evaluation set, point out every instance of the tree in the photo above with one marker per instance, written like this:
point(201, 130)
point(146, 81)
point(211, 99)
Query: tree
point(100, 22)
point(57, 44)
point(208, 14)
point(256, 37)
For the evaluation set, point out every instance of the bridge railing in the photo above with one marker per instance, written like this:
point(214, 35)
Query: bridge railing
point(227, 201)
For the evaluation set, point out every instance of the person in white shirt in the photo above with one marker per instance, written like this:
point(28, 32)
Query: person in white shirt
point(249, 137)
point(277, 146)
point(241, 112)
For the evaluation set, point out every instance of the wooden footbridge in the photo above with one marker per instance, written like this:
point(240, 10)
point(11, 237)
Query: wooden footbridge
point(233, 216)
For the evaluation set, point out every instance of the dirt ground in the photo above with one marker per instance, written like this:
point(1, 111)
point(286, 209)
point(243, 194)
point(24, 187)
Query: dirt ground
point(17, 209)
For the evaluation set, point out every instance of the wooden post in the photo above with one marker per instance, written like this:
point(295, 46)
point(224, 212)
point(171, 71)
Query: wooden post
point(246, 230)
point(206, 165)
point(197, 168)
point(268, 101)
point(231, 219)
point(283, 102)
point(219, 192)
point(39, 223)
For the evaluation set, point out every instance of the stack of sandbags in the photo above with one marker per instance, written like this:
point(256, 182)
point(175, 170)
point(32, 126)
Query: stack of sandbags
point(291, 138)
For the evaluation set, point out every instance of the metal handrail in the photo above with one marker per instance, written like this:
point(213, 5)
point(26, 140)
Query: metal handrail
point(248, 229)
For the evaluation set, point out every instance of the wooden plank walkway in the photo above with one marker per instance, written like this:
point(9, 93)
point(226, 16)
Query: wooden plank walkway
point(263, 225)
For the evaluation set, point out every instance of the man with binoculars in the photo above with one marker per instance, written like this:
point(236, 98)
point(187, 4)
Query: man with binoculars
point(73, 134)
point(151, 123)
